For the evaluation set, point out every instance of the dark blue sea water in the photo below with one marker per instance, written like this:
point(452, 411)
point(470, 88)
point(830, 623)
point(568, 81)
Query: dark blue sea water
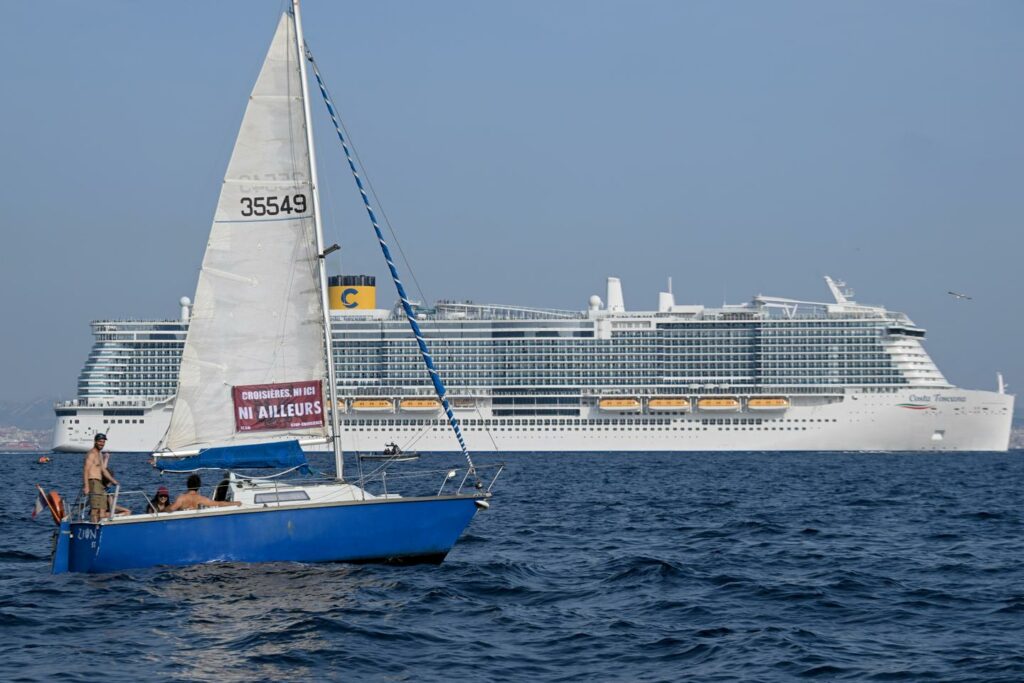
point(627, 567)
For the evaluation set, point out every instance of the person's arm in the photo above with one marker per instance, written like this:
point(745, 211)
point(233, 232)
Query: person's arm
point(106, 473)
point(203, 500)
point(176, 505)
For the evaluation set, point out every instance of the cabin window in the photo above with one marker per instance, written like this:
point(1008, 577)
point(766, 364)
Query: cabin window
point(281, 497)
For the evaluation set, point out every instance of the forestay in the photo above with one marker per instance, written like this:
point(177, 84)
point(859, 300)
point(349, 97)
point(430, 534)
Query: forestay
point(258, 317)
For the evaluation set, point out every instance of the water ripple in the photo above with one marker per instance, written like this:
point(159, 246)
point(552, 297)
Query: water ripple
point(639, 567)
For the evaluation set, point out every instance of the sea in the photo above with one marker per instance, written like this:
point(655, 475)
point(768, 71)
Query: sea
point(620, 567)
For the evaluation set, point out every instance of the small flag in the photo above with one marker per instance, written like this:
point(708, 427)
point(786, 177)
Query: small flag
point(41, 502)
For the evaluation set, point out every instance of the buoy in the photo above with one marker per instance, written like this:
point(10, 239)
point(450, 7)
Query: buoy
point(43, 460)
point(56, 507)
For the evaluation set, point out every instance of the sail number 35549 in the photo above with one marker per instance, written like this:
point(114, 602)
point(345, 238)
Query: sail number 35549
point(272, 206)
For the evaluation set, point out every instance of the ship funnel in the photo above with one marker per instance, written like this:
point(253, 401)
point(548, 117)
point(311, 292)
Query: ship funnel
point(666, 301)
point(352, 292)
point(614, 298)
point(186, 308)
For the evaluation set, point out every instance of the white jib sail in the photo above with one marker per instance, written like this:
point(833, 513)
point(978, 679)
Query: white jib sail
point(257, 317)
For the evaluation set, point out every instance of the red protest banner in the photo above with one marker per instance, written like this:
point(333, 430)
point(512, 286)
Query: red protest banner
point(289, 405)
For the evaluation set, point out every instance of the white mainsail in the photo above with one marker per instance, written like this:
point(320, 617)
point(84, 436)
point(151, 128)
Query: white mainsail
point(258, 316)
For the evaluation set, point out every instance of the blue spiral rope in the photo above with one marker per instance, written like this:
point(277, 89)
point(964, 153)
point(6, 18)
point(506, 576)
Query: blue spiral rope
point(435, 378)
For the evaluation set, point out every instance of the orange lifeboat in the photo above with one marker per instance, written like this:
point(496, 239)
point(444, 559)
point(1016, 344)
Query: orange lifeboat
point(420, 405)
point(721, 404)
point(675, 404)
point(767, 403)
point(373, 405)
point(621, 405)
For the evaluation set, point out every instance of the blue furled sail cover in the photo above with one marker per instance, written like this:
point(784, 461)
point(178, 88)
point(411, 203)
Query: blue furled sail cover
point(274, 454)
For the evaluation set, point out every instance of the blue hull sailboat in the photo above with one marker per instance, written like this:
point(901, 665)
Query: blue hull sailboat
point(405, 530)
point(256, 383)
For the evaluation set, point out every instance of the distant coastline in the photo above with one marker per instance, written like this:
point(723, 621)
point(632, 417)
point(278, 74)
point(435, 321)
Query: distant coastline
point(26, 425)
point(15, 439)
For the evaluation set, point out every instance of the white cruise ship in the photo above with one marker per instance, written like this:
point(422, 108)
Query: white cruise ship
point(769, 375)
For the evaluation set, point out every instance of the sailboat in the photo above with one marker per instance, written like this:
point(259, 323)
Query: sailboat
point(256, 383)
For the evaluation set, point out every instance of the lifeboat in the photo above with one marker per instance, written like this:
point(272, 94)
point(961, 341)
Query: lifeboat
point(767, 403)
point(420, 405)
point(676, 404)
point(721, 404)
point(373, 405)
point(464, 403)
point(620, 405)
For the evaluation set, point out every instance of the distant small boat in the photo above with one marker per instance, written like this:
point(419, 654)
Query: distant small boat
point(391, 453)
point(43, 459)
point(404, 457)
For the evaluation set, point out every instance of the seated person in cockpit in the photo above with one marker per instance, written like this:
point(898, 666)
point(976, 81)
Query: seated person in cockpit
point(193, 500)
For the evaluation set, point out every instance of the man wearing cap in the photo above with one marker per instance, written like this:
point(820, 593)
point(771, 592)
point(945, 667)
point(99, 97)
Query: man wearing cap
point(93, 473)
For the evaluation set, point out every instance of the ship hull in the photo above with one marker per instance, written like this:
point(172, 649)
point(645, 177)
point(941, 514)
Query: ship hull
point(139, 432)
point(902, 420)
point(395, 530)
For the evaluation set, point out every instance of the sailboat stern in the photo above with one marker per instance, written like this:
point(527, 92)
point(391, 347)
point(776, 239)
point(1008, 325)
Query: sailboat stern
point(59, 563)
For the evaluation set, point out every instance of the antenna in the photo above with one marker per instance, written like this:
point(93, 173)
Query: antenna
point(840, 292)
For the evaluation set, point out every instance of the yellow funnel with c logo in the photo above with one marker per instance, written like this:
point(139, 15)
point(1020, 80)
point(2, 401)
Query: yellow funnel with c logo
point(352, 292)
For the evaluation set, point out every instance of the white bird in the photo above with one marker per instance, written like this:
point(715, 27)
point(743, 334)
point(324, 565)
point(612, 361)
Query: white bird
point(958, 295)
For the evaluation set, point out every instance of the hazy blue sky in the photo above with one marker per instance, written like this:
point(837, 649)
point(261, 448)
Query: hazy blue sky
point(526, 150)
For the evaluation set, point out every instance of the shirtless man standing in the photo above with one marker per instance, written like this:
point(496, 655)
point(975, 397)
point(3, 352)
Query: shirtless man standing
point(92, 478)
point(193, 500)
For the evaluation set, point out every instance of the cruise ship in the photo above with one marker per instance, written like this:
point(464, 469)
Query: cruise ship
point(772, 374)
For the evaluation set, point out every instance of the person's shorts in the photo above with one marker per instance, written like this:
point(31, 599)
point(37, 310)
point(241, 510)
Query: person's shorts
point(97, 496)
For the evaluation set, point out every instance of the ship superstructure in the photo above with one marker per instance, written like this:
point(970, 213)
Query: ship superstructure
point(772, 374)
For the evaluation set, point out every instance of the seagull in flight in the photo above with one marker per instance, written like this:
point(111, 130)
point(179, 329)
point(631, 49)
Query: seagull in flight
point(958, 295)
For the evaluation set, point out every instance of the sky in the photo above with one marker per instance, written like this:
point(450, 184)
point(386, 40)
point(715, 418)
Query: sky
point(524, 151)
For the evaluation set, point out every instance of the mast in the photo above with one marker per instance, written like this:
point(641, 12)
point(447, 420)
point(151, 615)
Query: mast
point(315, 185)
